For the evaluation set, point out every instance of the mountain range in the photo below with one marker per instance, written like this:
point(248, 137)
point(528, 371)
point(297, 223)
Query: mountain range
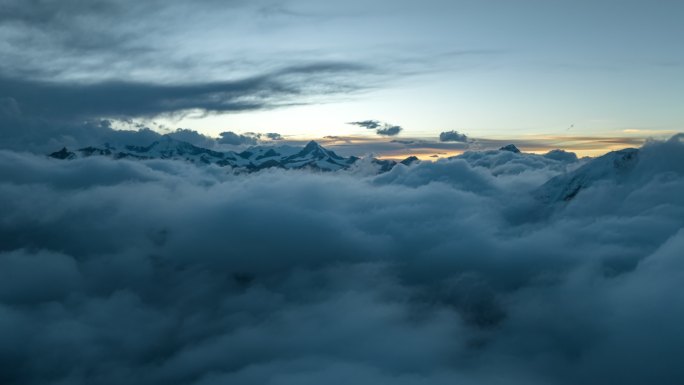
point(612, 166)
point(312, 156)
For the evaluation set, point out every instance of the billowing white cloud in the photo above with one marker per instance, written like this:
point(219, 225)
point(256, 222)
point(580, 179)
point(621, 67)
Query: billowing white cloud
point(160, 272)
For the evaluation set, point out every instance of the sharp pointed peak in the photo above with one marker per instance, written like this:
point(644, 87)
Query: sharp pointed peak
point(64, 153)
point(410, 160)
point(511, 148)
point(313, 146)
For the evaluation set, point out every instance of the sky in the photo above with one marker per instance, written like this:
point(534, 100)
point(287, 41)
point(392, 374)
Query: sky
point(549, 72)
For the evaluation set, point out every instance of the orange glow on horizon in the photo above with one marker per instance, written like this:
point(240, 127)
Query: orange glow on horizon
point(429, 149)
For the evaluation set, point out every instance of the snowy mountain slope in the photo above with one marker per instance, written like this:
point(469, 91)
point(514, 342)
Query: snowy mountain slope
point(614, 166)
point(315, 156)
point(509, 160)
point(63, 154)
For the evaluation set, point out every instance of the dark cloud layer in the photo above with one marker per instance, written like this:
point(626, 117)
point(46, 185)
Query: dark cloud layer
point(123, 99)
point(159, 272)
point(41, 115)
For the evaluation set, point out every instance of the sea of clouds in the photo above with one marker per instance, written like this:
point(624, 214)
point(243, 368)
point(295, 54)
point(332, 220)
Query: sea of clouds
point(452, 272)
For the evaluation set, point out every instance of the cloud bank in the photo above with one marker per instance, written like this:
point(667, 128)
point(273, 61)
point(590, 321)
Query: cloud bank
point(160, 272)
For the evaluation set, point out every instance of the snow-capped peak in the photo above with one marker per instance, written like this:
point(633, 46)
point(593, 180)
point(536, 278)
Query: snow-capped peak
point(612, 166)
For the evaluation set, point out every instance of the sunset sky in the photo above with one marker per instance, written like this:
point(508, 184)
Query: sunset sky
point(542, 73)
